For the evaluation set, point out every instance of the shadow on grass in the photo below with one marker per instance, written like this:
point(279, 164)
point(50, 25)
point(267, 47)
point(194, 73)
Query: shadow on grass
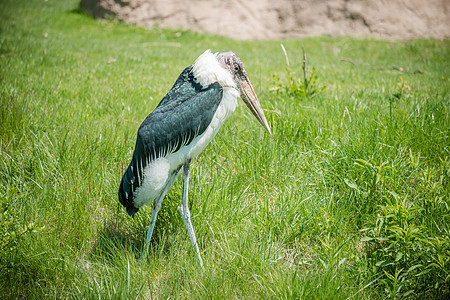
point(80, 11)
point(121, 234)
point(115, 238)
point(92, 10)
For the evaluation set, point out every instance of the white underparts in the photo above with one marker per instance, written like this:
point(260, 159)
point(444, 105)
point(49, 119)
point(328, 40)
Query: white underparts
point(156, 174)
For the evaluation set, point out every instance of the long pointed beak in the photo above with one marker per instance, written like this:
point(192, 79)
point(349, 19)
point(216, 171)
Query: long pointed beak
point(248, 95)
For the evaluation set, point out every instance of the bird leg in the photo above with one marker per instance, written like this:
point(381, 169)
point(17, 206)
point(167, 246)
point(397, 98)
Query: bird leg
point(155, 209)
point(186, 214)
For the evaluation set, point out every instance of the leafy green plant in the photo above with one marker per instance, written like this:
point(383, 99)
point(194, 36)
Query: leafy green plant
point(403, 88)
point(10, 229)
point(394, 284)
point(404, 254)
point(297, 87)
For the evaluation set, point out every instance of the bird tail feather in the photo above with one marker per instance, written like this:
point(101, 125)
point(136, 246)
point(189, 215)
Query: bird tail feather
point(126, 190)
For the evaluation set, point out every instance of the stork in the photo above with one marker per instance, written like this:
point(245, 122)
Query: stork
point(184, 122)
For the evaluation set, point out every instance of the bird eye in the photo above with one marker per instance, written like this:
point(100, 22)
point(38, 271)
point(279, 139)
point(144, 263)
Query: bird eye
point(236, 67)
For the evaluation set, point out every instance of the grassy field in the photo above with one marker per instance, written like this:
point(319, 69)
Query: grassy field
point(348, 199)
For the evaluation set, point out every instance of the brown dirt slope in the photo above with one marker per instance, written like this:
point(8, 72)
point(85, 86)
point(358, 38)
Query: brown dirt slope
point(264, 19)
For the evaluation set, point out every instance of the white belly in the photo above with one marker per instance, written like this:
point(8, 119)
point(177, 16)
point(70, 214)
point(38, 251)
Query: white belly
point(161, 173)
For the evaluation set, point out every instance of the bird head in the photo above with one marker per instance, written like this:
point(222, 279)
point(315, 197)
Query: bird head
point(233, 64)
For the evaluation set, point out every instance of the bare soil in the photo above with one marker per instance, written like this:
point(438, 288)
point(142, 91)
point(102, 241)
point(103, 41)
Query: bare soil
point(264, 19)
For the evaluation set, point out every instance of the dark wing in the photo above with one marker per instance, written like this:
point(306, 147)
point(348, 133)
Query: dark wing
point(183, 114)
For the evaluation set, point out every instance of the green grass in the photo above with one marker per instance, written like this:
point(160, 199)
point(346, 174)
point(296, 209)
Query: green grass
point(349, 198)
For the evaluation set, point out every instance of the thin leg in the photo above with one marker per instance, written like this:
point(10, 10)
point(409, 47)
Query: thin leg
point(186, 214)
point(155, 209)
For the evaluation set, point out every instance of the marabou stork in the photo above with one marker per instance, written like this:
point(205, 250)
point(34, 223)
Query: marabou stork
point(184, 122)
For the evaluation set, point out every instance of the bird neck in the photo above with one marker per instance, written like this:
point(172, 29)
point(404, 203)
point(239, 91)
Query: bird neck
point(207, 70)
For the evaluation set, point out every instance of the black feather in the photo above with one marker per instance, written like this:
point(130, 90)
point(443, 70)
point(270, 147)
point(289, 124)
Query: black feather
point(183, 114)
